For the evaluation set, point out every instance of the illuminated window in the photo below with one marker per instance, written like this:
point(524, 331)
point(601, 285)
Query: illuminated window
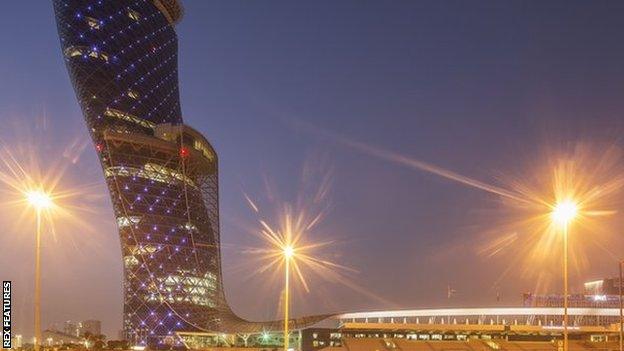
point(130, 261)
point(150, 171)
point(111, 112)
point(142, 249)
point(198, 145)
point(189, 226)
point(92, 22)
point(166, 174)
point(135, 15)
point(74, 51)
point(127, 221)
point(197, 290)
point(133, 94)
point(85, 51)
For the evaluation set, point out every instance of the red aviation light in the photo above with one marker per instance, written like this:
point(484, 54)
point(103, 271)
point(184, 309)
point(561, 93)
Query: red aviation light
point(184, 152)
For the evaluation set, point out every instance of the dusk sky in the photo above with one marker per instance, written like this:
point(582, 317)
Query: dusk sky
point(491, 90)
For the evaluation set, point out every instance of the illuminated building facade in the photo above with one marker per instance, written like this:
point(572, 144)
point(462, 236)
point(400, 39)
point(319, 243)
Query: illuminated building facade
point(603, 293)
point(92, 326)
point(161, 174)
point(606, 286)
point(574, 300)
point(72, 328)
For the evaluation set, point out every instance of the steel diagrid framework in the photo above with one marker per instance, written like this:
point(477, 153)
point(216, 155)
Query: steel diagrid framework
point(162, 175)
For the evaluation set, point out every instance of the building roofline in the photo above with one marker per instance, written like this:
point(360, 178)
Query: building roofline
point(505, 311)
point(171, 9)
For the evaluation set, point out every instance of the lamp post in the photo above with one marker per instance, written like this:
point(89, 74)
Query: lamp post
point(565, 287)
point(288, 253)
point(621, 329)
point(39, 200)
point(563, 213)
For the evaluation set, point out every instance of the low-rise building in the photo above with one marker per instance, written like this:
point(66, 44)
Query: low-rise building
point(57, 338)
point(91, 326)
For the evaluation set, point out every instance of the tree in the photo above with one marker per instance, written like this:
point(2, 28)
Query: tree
point(94, 341)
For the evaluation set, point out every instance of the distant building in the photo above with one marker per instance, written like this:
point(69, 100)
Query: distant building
point(574, 300)
point(92, 326)
point(606, 286)
point(318, 338)
point(16, 342)
point(598, 293)
point(72, 328)
point(55, 338)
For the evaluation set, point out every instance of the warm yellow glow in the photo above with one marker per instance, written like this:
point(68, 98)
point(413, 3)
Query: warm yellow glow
point(289, 252)
point(564, 212)
point(39, 199)
point(571, 197)
point(32, 190)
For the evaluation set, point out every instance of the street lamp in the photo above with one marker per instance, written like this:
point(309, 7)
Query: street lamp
point(562, 214)
point(288, 253)
point(621, 329)
point(40, 201)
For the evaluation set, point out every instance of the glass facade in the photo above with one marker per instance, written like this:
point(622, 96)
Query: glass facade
point(122, 60)
point(162, 175)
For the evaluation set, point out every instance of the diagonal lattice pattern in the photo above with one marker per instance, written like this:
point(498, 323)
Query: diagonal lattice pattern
point(162, 175)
